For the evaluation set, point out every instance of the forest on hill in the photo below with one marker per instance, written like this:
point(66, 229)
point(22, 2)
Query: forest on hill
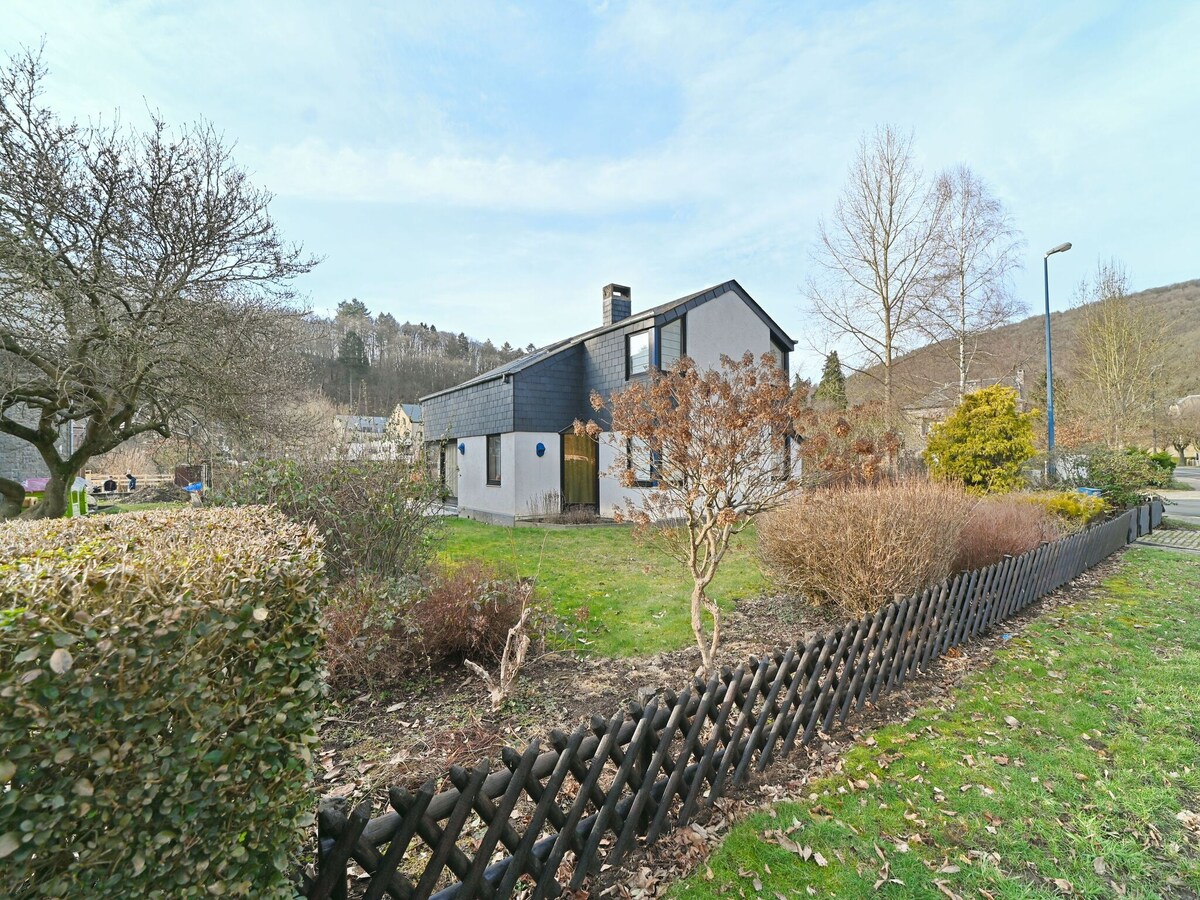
point(1020, 347)
point(369, 363)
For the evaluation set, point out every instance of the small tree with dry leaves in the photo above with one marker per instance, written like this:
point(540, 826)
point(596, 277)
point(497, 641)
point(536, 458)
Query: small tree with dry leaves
point(712, 450)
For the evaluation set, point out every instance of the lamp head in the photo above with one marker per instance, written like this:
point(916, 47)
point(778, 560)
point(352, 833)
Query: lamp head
point(1061, 248)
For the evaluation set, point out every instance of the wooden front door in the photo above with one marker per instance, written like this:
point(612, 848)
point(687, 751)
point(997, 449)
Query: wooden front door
point(580, 471)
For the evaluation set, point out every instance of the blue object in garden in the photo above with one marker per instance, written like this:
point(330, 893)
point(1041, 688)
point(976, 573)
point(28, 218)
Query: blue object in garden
point(1006, 637)
point(540, 449)
point(195, 486)
point(462, 449)
point(1091, 492)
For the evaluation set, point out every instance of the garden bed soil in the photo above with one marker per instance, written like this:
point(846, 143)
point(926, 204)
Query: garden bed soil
point(406, 734)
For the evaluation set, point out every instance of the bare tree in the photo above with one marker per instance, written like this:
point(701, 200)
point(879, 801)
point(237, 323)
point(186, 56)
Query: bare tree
point(877, 258)
point(1183, 426)
point(712, 448)
point(142, 282)
point(1118, 348)
point(980, 248)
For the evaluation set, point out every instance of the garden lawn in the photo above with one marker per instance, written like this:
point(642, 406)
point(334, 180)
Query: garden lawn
point(1070, 767)
point(619, 596)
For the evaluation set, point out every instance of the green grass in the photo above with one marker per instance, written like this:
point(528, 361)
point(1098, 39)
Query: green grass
point(1101, 753)
point(1180, 524)
point(627, 599)
point(135, 507)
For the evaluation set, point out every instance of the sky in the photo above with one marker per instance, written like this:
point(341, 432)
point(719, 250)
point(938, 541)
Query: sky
point(489, 167)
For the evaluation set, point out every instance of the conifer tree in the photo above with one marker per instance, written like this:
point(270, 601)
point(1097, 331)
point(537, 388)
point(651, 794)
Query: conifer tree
point(831, 392)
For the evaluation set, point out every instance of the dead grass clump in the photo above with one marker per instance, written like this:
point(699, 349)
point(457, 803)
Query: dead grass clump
point(858, 547)
point(1006, 525)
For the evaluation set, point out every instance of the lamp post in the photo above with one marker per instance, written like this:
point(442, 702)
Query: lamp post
point(1050, 473)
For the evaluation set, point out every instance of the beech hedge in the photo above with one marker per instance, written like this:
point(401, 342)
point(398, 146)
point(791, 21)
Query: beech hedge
point(159, 679)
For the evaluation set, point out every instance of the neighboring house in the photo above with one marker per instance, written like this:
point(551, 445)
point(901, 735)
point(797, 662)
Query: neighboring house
point(503, 442)
point(406, 428)
point(936, 406)
point(364, 437)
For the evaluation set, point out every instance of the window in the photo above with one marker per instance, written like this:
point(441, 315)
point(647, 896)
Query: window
point(645, 466)
point(780, 354)
point(493, 459)
point(673, 346)
point(637, 354)
point(783, 461)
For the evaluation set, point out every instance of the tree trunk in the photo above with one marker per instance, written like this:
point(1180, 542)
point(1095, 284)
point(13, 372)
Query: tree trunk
point(12, 498)
point(700, 603)
point(54, 502)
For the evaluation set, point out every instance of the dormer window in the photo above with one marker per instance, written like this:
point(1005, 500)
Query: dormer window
point(673, 338)
point(637, 354)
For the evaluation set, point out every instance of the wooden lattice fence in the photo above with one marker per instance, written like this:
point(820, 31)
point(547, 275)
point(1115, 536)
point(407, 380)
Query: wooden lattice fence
point(561, 812)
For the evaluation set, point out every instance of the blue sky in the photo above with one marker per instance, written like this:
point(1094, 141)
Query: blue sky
point(489, 167)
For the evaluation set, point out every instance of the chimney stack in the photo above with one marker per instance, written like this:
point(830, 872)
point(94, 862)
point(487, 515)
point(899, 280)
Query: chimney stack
point(618, 304)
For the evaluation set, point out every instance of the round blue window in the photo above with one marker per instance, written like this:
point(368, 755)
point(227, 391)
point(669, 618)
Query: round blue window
point(462, 449)
point(541, 449)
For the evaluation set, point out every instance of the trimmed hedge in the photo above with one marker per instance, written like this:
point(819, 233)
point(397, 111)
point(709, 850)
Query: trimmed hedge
point(159, 679)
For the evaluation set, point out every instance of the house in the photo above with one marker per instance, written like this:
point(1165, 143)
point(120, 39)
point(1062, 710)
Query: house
point(364, 437)
point(936, 406)
point(406, 427)
point(503, 442)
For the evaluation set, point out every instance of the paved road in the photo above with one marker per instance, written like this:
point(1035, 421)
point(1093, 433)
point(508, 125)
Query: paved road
point(1185, 504)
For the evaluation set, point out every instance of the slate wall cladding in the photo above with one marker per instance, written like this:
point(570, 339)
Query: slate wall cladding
point(485, 408)
point(552, 394)
point(549, 394)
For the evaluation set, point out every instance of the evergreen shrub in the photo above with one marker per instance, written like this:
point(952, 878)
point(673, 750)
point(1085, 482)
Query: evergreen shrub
point(159, 680)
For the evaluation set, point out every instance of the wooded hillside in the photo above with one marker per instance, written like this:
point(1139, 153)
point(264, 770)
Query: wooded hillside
point(1021, 346)
point(369, 363)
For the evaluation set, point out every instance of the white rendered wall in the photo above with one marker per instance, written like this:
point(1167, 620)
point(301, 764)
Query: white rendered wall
point(612, 494)
point(537, 476)
point(524, 476)
point(474, 493)
point(725, 325)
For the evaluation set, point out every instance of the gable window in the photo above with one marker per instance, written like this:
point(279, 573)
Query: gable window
point(780, 354)
point(673, 337)
point(637, 354)
point(493, 459)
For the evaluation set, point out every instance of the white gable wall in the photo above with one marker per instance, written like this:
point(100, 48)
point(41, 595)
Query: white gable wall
point(725, 325)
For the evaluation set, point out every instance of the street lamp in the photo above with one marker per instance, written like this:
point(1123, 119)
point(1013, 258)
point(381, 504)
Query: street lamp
point(1050, 473)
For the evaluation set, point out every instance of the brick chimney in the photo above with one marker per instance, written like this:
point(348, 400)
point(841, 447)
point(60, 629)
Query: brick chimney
point(617, 303)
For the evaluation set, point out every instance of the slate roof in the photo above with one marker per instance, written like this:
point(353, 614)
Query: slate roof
point(691, 301)
point(413, 411)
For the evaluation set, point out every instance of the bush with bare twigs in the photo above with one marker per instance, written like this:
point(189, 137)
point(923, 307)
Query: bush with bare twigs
point(1002, 526)
point(857, 547)
point(378, 630)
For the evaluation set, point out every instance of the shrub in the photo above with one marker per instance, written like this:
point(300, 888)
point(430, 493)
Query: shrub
point(1073, 510)
point(1165, 463)
point(375, 515)
point(158, 694)
point(846, 446)
point(1120, 475)
point(858, 547)
point(1002, 526)
point(984, 443)
point(379, 630)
